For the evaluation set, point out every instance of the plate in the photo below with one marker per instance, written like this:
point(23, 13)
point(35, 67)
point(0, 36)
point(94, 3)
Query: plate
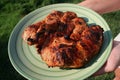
point(29, 64)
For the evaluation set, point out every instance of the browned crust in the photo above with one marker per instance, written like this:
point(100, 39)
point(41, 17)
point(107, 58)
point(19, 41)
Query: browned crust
point(64, 40)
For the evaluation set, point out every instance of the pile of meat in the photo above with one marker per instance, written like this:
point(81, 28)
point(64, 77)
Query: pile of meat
point(64, 40)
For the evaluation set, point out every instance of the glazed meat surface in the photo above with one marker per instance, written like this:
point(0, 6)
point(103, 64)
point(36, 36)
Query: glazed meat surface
point(64, 40)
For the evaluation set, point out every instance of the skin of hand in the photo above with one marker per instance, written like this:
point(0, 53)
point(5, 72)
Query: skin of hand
point(102, 6)
point(113, 61)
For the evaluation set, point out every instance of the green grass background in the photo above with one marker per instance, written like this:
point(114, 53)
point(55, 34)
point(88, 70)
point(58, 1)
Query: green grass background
point(11, 11)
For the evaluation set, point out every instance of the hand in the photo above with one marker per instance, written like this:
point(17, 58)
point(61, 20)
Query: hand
point(101, 6)
point(113, 61)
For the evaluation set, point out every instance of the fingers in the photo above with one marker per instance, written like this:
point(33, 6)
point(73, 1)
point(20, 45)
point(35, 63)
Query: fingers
point(116, 78)
point(117, 74)
point(113, 61)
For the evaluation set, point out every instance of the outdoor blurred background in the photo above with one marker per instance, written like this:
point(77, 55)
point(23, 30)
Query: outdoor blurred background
point(11, 11)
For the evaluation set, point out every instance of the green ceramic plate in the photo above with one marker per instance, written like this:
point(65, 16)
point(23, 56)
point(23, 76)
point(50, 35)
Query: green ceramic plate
point(28, 63)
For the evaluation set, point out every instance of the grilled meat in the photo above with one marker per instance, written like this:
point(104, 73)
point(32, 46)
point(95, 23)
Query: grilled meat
point(64, 40)
point(80, 25)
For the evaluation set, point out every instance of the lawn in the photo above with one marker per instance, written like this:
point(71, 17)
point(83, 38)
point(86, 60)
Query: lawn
point(11, 11)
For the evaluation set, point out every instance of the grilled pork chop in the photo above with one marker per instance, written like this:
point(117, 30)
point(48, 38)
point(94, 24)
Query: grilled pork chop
point(64, 40)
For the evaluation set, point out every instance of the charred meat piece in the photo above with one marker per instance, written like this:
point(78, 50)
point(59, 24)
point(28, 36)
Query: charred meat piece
point(90, 42)
point(53, 20)
point(71, 54)
point(68, 16)
point(80, 25)
point(62, 53)
point(29, 34)
point(64, 40)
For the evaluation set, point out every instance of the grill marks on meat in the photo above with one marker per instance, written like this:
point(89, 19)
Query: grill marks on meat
point(80, 25)
point(91, 41)
point(62, 53)
point(64, 40)
point(29, 34)
point(68, 16)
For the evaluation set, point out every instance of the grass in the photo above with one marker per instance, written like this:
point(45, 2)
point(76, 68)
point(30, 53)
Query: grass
point(11, 11)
